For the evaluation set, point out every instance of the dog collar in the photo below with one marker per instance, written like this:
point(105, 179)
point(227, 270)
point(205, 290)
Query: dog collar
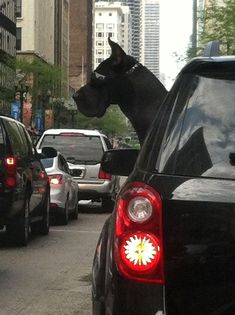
point(102, 77)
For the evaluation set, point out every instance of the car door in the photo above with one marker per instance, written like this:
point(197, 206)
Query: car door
point(63, 166)
point(36, 171)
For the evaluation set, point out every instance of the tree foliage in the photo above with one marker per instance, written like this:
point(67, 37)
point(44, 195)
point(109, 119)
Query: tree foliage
point(218, 23)
point(112, 123)
point(44, 76)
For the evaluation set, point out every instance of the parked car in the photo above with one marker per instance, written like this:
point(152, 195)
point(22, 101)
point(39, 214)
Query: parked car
point(64, 189)
point(24, 185)
point(169, 245)
point(83, 150)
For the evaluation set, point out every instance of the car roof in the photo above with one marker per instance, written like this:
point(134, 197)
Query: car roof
point(11, 119)
point(200, 62)
point(86, 132)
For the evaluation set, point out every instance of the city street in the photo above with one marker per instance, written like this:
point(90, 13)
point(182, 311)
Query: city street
point(52, 275)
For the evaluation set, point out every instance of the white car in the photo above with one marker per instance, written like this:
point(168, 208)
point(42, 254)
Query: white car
point(64, 189)
point(83, 150)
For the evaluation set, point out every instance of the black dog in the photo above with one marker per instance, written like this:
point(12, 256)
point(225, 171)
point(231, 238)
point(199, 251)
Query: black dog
point(121, 80)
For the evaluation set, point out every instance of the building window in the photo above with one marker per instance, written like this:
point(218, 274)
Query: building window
point(99, 43)
point(99, 34)
point(99, 52)
point(100, 14)
point(109, 34)
point(110, 14)
point(18, 38)
point(18, 8)
point(110, 26)
point(100, 26)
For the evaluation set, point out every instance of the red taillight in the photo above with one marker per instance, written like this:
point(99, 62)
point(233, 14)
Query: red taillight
point(104, 175)
point(55, 179)
point(42, 175)
point(138, 243)
point(10, 174)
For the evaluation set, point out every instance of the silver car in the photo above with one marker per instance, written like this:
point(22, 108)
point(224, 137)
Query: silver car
point(64, 189)
point(83, 150)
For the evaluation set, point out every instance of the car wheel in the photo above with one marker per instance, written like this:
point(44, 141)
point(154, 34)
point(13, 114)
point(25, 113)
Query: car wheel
point(74, 214)
point(107, 204)
point(42, 227)
point(18, 230)
point(64, 219)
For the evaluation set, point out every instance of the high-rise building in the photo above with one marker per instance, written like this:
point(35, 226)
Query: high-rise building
point(80, 42)
point(134, 20)
point(7, 48)
point(150, 35)
point(111, 20)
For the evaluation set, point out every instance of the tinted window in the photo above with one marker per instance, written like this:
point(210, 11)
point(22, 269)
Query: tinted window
point(17, 144)
point(208, 130)
point(2, 146)
point(76, 148)
point(47, 162)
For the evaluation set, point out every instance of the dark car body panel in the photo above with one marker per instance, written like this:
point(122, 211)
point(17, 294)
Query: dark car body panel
point(28, 174)
point(188, 159)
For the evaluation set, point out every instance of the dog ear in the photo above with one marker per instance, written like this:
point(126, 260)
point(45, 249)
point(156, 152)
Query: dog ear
point(118, 54)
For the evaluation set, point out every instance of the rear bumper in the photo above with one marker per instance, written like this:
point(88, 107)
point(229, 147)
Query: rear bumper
point(9, 209)
point(94, 190)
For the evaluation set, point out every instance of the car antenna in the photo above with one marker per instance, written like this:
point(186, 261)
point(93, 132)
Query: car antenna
point(212, 49)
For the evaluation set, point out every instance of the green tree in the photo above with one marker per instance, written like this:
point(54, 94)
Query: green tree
point(112, 123)
point(218, 21)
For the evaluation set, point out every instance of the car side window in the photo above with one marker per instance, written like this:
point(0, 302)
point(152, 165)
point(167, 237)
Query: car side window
point(108, 143)
point(172, 134)
point(63, 166)
point(24, 140)
point(2, 146)
point(17, 144)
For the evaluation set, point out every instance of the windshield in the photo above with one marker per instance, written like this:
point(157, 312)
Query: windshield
point(75, 148)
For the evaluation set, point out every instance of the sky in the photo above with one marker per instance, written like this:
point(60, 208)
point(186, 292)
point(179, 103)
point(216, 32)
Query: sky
point(175, 31)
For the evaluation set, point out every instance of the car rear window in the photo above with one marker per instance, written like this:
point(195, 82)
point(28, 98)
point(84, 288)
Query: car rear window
point(207, 130)
point(76, 148)
point(47, 163)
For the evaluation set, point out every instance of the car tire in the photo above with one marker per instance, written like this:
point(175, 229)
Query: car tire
point(74, 214)
point(64, 218)
point(107, 204)
point(18, 230)
point(42, 227)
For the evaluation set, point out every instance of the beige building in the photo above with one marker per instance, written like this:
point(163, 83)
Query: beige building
point(35, 28)
point(43, 31)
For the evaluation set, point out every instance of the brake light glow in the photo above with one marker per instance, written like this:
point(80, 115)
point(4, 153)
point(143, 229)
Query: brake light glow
point(138, 239)
point(55, 179)
point(10, 174)
point(104, 175)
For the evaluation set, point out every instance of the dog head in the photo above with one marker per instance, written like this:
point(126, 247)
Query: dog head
point(94, 98)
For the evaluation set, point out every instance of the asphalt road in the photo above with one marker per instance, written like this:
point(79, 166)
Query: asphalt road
point(52, 275)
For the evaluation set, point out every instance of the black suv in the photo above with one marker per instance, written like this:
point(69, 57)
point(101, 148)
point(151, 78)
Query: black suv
point(24, 185)
point(169, 246)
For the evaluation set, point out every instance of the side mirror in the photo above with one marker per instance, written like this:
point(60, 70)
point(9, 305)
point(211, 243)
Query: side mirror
point(119, 162)
point(49, 152)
